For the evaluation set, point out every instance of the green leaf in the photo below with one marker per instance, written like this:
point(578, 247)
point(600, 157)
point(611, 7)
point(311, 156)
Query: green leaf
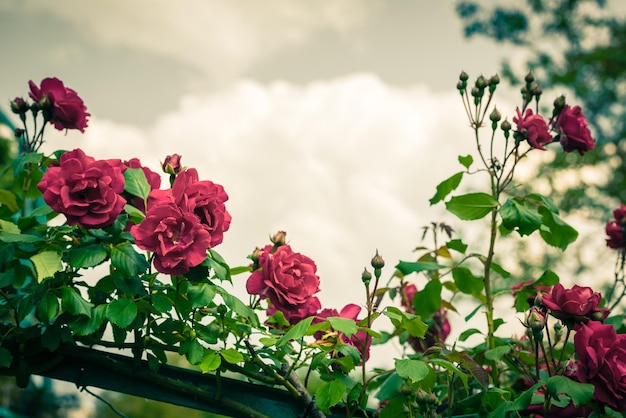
point(121, 312)
point(497, 353)
point(407, 267)
point(73, 302)
point(471, 206)
point(8, 200)
point(195, 352)
point(457, 245)
point(136, 183)
point(329, 394)
point(428, 300)
point(446, 187)
point(201, 295)
point(555, 231)
point(581, 393)
point(219, 265)
point(413, 370)
point(128, 261)
point(393, 409)
point(89, 256)
point(545, 201)
point(468, 333)
point(466, 281)
point(46, 264)
point(517, 216)
point(295, 332)
point(9, 227)
point(21, 238)
point(48, 308)
point(6, 358)
point(466, 161)
point(231, 356)
point(87, 326)
point(161, 302)
point(347, 326)
point(211, 361)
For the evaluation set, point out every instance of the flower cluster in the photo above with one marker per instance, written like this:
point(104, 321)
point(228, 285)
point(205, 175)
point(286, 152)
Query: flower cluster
point(183, 222)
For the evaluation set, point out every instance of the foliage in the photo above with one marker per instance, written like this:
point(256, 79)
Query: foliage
point(163, 289)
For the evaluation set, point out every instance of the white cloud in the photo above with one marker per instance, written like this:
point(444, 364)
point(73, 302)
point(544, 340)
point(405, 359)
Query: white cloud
point(344, 166)
point(222, 38)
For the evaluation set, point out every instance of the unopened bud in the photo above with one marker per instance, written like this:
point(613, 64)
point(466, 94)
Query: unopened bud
point(505, 125)
point(559, 104)
point(481, 83)
point(476, 92)
point(279, 238)
point(494, 80)
point(495, 115)
point(463, 76)
point(529, 77)
point(377, 261)
point(19, 106)
point(222, 309)
point(172, 165)
point(366, 276)
point(536, 90)
point(256, 254)
point(460, 86)
point(536, 319)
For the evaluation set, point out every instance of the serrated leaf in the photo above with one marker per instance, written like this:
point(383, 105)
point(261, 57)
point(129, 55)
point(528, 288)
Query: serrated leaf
point(201, 295)
point(89, 256)
point(466, 161)
point(295, 332)
point(48, 307)
point(74, 303)
point(46, 263)
point(519, 217)
point(86, 326)
point(408, 267)
point(161, 302)
point(195, 352)
point(581, 393)
point(135, 183)
point(128, 261)
point(457, 245)
point(428, 300)
point(121, 312)
point(344, 325)
point(413, 370)
point(329, 394)
point(555, 231)
point(231, 356)
point(211, 361)
point(471, 206)
point(497, 353)
point(446, 187)
point(466, 281)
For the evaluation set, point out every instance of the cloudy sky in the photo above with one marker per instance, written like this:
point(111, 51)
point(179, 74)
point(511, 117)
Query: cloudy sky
point(331, 119)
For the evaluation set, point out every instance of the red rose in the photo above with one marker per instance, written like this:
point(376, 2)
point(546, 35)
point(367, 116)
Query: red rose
point(615, 229)
point(67, 109)
point(575, 135)
point(286, 278)
point(578, 303)
point(176, 237)
point(602, 362)
point(86, 191)
point(358, 340)
point(438, 327)
point(204, 198)
point(296, 313)
point(533, 128)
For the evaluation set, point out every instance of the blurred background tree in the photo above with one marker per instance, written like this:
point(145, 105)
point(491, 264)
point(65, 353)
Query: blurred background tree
point(576, 46)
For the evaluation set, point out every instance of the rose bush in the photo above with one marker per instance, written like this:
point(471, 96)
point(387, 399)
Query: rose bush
point(86, 191)
point(167, 290)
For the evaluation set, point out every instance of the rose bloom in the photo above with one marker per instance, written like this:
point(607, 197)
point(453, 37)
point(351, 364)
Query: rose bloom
point(536, 128)
point(67, 109)
point(575, 135)
point(286, 278)
point(176, 237)
point(204, 198)
point(578, 303)
point(172, 165)
point(358, 340)
point(602, 362)
point(86, 191)
point(615, 229)
point(296, 313)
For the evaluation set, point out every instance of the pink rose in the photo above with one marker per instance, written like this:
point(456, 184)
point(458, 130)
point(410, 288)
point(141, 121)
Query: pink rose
point(575, 135)
point(204, 198)
point(287, 279)
point(86, 191)
point(602, 362)
point(615, 229)
point(533, 128)
point(359, 339)
point(67, 110)
point(578, 303)
point(175, 236)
